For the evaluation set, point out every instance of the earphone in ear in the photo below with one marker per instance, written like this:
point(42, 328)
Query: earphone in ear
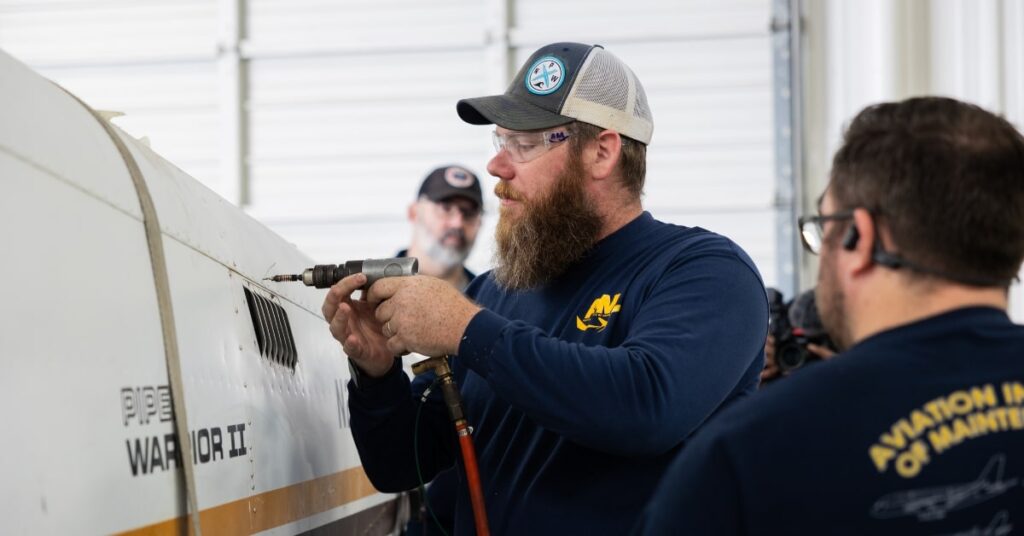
point(851, 238)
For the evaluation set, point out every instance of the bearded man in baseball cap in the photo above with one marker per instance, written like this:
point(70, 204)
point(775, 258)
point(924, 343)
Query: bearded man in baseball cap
point(596, 346)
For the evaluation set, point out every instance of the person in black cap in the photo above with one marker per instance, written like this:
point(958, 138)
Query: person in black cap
point(600, 341)
point(445, 219)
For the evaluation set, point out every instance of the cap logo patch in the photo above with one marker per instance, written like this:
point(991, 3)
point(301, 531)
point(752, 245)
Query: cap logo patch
point(545, 76)
point(458, 177)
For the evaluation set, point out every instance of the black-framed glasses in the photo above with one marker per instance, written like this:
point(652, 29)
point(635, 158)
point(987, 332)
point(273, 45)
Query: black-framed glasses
point(812, 229)
point(812, 232)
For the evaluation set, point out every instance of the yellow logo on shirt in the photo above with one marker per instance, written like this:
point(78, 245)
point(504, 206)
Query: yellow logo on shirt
point(597, 316)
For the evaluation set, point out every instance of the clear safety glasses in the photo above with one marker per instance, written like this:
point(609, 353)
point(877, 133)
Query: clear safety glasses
point(526, 146)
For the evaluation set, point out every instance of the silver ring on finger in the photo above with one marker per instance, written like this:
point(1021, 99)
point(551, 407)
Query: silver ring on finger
point(387, 330)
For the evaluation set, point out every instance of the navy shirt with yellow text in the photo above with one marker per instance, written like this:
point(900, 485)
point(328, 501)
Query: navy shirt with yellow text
point(915, 430)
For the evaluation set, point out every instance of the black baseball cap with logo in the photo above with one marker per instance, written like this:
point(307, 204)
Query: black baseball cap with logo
point(566, 82)
point(451, 181)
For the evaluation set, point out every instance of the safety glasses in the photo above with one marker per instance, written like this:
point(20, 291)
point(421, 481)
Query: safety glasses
point(526, 146)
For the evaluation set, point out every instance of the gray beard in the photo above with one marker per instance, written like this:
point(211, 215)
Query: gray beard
point(446, 257)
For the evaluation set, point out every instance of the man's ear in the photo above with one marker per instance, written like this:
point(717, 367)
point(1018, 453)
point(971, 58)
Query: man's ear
point(411, 212)
point(860, 239)
point(608, 148)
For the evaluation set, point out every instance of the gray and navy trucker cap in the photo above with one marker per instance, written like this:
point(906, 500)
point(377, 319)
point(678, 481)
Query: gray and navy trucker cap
point(565, 82)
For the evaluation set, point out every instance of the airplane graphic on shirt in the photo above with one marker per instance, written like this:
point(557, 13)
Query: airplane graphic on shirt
point(931, 504)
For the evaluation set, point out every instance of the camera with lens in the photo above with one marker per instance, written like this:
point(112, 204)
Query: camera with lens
point(794, 325)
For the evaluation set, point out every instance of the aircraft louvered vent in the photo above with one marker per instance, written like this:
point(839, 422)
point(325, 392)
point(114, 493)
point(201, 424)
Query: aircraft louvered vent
point(273, 332)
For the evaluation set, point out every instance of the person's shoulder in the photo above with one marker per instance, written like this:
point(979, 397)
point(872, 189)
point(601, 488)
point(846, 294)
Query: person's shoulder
point(810, 393)
point(698, 240)
point(884, 361)
point(716, 252)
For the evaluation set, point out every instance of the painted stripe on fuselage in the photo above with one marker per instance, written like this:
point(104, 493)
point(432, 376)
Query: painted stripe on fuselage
point(274, 508)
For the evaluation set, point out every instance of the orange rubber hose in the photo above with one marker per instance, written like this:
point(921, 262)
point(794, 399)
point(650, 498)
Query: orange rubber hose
point(476, 492)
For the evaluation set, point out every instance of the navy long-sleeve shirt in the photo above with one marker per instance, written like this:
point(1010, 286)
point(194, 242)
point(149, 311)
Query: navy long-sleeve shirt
point(580, 391)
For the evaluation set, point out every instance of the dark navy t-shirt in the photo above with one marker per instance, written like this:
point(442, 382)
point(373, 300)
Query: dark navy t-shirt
point(916, 430)
point(580, 392)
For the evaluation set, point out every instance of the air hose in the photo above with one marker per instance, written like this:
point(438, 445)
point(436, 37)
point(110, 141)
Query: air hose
point(452, 399)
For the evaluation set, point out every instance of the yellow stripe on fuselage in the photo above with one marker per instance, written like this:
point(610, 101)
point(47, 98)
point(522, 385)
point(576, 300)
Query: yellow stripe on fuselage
point(274, 508)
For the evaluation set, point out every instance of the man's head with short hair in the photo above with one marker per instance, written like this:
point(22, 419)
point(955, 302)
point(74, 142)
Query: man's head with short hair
point(559, 199)
point(944, 178)
point(446, 219)
point(924, 212)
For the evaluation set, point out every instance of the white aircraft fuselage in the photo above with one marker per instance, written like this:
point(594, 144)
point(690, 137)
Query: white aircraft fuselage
point(91, 341)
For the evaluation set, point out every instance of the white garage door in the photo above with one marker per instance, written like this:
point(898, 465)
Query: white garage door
point(343, 107)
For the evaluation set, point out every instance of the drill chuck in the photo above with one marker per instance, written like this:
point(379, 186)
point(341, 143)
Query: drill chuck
point(326, 275)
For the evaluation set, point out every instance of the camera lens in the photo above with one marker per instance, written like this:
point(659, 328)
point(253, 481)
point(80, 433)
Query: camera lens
point(790, 356)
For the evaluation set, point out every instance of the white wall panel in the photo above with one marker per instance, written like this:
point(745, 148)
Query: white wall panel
point(75, 32)
point(965, 40)
point(153, 60)
point(289, 27)
point(693, 178)
point(640, 20)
